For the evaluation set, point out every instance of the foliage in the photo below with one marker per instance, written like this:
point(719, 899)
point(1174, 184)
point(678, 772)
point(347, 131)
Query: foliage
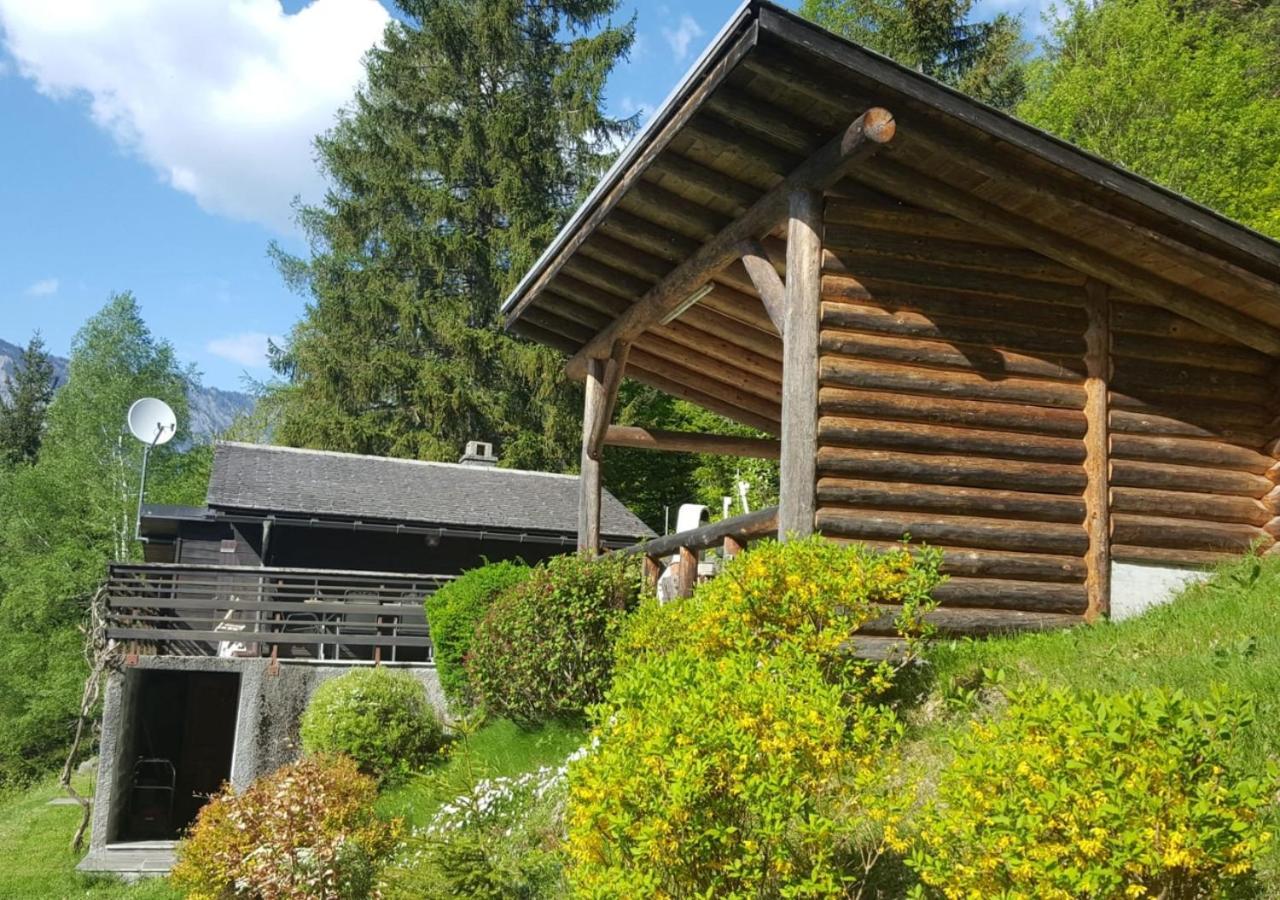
point(380, 719)
point(478, 128)
point(453, 613)
point(70, 513)
point(1068, 796)
point(29, 390)
point(306, 831)
point(496, 838)
point(985, 59)
point(743, 750)
point(1189, 99)
point(545, 649)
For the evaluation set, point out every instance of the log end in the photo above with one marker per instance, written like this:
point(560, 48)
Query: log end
point(878, 125)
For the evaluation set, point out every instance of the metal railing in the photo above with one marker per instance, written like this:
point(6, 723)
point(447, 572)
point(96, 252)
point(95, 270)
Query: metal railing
point(176, 609)
point(729, 535)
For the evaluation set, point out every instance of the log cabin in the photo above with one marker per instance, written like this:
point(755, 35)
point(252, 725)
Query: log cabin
point(945, 323)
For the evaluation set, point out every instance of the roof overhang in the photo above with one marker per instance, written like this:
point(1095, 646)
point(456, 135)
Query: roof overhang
point(772, 89)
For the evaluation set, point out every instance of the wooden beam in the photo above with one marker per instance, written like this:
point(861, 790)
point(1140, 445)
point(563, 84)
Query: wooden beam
point(1097, 493)
point(798, 475)
point(689, 442)
point(614, 370)
point(918, 186)
point(864, 136)
point(593, 406)
point(767, 281)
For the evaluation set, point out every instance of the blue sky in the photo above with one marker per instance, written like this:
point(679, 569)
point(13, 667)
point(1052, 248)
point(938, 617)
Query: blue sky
point(155, 147)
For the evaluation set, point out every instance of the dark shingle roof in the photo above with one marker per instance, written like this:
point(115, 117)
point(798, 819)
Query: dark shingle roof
point(321, 483)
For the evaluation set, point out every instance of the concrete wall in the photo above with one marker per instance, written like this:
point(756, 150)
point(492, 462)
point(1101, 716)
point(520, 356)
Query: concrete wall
point(1136, 587)
point(267, 723)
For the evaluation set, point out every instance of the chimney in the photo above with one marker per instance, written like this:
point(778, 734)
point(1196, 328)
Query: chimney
point(479, 453)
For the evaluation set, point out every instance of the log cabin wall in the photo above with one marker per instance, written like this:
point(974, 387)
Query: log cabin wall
point(951, 404)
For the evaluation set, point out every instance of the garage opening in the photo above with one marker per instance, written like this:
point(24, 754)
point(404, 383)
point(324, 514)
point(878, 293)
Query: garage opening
point(176, 752)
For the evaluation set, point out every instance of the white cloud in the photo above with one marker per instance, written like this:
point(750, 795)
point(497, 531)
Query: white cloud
point(680, 37)
point(45, 287)
point(629, 106)
point(247, 349)
point(222, 97)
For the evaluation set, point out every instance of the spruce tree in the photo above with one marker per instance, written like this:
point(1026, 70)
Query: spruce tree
point(985, 60)
point(22, 411)
point(479, 127)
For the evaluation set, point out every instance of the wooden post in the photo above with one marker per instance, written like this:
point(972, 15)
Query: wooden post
point(589, 480)
point(732, 547)
point(652, 572)
point(687, 571)
point(1097, 491)
point(798, 475)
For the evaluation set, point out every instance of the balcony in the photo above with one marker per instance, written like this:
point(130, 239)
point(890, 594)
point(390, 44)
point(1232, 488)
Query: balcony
point(309, 615)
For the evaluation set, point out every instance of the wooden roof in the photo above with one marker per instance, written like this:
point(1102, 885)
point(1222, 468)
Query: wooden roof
point(958, 177)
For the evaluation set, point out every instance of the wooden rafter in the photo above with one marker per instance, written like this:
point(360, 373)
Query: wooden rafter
point(864, 136)
point(690, 442)
point(755, 259)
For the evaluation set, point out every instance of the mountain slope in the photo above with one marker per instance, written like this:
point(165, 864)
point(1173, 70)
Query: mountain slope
point(212, 409)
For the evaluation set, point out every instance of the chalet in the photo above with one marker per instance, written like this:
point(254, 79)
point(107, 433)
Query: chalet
point(944, 322)
point(301, 564)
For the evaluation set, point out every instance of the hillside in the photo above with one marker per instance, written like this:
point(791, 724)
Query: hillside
point(212, 409)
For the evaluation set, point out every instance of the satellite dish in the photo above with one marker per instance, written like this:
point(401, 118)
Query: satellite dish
point(152, 421)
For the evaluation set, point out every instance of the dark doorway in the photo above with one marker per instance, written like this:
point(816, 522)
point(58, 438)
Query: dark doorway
point(183, 730)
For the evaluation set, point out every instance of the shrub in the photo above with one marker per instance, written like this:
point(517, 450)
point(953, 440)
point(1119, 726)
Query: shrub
point(1068, 796)
point(545, 649)
point(741, 750)
point(379, 718)
point(453, 613)
point(306, 831)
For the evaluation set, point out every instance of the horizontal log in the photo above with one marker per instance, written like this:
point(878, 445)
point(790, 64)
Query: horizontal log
point(954, 531)
point(853, 244)
point(872, 434)
point(1163, 531)
point(875, 648)
point(972, 563)
point(1163, 556)
point(1142, 378)
point(923, 468)
point(1049, 316)
point(845, 372)
point(935, 354)
point(948, 411)
point(1233, 357)
point(743, 528)
point(1197, 479)
point(902, 497)
point(1133, 316)
point(1188, 505)
point(1129, 422)
point(957, 329)
point(975, 621)
point(1209, 414)
point(1189, 452)
point(688, 442)
point(1031, 596)
point(870, 275)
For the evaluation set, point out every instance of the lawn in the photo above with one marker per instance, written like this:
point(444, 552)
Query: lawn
point(498, 749)
point(35, 861)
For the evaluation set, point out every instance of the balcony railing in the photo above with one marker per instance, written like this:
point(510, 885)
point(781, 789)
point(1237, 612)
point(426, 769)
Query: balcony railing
point(317, 615)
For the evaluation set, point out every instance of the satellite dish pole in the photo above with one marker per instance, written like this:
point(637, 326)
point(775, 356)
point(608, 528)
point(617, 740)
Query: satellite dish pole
point(153, 423)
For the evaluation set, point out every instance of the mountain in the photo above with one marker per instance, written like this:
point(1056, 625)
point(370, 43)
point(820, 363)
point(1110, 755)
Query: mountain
point(212, 409)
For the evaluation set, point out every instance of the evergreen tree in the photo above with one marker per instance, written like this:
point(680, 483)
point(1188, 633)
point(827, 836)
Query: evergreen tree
point(478, 128)
point(985, 60)
point(22, 412)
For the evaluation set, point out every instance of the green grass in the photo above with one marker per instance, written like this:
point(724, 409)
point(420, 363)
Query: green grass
point(36, 862)
point(498, 749)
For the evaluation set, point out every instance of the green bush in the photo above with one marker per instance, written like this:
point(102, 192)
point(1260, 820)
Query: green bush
point(743, 750)
point(305, 831)
point(453, 613)
point(545, 648)
point(379, 718)
point(1097, 795)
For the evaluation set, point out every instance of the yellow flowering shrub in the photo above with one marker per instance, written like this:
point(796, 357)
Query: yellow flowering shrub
point(1120, 795)
point(741, 751)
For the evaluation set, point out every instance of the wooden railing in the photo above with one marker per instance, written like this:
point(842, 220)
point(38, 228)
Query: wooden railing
point(729, 535)
point(233, 611)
